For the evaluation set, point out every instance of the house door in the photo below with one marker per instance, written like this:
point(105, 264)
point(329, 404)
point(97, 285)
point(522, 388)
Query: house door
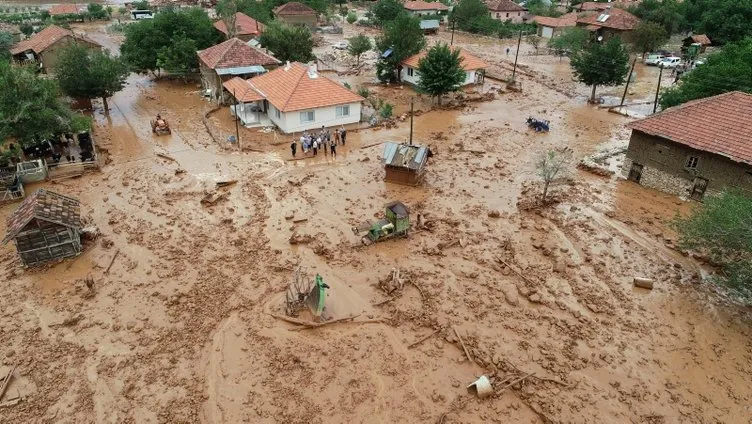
point(698, 189)
point(635, 173)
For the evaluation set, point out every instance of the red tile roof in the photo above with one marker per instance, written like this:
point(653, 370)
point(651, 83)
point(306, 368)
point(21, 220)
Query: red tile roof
point(618, 19)
point(718, 124)
point(568, 20)
point(244, 24)
point(294, 8)
point(702, 39)
point(45, 38)
point(504, 6)
point(64, 9)
point(290, 88)
point(423, 5)
point(468, 61)
point(47, 206)
point(242, 90)
point(235, 53)
point(592, 6)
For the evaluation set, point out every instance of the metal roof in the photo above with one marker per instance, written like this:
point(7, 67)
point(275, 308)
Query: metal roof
point(404, 155)
point(429, 24)
point(241, 70)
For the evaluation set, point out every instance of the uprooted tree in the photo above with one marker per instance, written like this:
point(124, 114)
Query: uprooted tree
point(90, 74)
point(551, 166)
point(601, 64)
point(721, 227)
point(441, 71)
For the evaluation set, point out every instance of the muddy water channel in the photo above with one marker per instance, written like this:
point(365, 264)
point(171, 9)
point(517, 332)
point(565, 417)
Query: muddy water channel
point(181, 328)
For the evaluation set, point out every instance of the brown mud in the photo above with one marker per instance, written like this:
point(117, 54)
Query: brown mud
point(180, 329)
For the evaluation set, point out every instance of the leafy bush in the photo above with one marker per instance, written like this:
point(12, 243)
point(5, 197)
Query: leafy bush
point(351, 17)
point(385, 111)
point(364, 92)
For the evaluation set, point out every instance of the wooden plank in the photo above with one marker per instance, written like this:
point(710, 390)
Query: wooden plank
point(6, 381)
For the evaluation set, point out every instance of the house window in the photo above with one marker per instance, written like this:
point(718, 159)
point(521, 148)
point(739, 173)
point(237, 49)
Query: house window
point(692, 162)
point(498, 15)
point(507, 15)
point(307, 116)
point(343, 111)
point(276, 113)
point(409, 72)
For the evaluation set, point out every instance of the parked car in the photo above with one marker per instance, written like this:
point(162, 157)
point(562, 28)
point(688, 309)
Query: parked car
point(653, 59)
point(670, 62)
point(340, 45)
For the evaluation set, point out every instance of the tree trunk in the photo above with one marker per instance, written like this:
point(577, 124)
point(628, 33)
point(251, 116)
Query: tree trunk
point(438, 98)
point(357, 60)
point(106, 106)
point(592, 96)
point(545, 190)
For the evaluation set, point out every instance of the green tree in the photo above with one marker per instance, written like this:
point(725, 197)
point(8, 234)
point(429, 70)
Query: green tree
point(141, 5)
point(6, 42)
point(721, 227)
point(601, 64)
point(571, 40)
point(44, 15)
point(351, 17)
point(667, 13)
point(541, 8)
point(534, 41)
point(96, 11)
point(31, 108)
point(179, 57)
point(469, 15)
point(724, 21)
point(386, 11)
point(90, 74)
point(727, 70)
point(551, 166)
point(146, 39)
point(359, 45)
point(293, 43)
point(441, 71)
point(227, 10)
point(405, 38)
point(26, 29)
point(648, 36)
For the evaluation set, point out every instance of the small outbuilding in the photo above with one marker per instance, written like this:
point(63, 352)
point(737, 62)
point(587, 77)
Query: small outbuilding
point(46, 227)
point(475, 68)
point(296, 13)
point(405, 163)
point(43, 48)
point(246, 28)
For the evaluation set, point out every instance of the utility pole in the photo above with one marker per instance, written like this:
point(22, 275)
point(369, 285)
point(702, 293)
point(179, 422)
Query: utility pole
point(629, 78)
point(454, 23)
point(516, 54)
point(237, 118)
point(657, 90)
point(411, 121)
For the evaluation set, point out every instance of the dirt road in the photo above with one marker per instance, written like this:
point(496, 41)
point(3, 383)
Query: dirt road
point(180, 330)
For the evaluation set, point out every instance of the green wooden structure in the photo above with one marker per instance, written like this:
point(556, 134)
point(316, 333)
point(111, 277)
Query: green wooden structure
point(396, 223)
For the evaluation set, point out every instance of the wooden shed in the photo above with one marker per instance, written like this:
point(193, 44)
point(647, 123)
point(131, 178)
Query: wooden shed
point(46, 227)
point(405, 163)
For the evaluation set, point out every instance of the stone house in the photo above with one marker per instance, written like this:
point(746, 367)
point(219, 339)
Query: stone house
point(506, 10)
point(296, 13)
point(246, 28)
point(551, 27)
point(700, 147)
point(229, 59)
point(474, 68)
point(43, 48)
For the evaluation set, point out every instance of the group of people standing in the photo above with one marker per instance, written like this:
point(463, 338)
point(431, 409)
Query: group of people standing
point(324, 140)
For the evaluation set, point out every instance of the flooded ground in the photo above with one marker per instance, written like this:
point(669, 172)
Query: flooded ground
point(181, 328)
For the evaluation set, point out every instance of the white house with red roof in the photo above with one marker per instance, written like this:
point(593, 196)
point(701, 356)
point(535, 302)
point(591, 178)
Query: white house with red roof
point(423, 8)
point(699, 147)
point(473, 66)
point(295, 98)
point(506, 10)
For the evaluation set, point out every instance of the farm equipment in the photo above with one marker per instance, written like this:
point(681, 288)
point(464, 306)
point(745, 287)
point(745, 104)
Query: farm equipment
point(305, 293)
point(397, 223)
point(539, 125)
point(160, 126)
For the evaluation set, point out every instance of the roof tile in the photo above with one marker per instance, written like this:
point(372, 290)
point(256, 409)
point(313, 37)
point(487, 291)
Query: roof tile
point(235, 53)
point(64, 9)
point(245, 25)
point(242, 90)
point(294, 8)
point(45, 38)
point(423, 5)
point(468, 61)
point(618, 19)
point(504, 6)
point(718, 124)
point(47, 206)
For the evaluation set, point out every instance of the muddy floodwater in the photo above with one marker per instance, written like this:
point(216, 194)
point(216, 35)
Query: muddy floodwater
point(181, 323)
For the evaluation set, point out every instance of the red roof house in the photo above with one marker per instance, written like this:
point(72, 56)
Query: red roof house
point(246, 28)
point(506, 10)
point(64, 9)
point(612, 20)
point(44, 46)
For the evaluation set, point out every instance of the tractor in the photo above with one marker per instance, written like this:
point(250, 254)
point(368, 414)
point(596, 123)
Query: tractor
point(395, 224)
point(160, 126)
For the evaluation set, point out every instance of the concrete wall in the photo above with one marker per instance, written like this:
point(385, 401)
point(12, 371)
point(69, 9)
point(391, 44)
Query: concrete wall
point(545, 31)
point(211, 81)
point(515, 17)
point(290, 122)
point(425, 12)
point(415, 78)
point(309, 21)
point(49, 56)
point(664, 169)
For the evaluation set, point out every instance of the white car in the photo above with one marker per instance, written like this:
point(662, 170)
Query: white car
point(670, 62)
point(340, 45)
point(654, 59)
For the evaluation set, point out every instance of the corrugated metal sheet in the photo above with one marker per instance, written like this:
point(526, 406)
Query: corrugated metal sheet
point(403, 155)
point(241, 70)
point(389, 150)
point(429, 24)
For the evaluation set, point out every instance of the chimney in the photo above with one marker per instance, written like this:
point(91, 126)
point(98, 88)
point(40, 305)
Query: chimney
point(287, 66)
point(312, 71)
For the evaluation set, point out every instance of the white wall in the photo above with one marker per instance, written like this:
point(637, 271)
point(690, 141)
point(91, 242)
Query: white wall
point(415, 79)
point(326, 116)
point(515, 17)
point(546, 32)
point(424, 12)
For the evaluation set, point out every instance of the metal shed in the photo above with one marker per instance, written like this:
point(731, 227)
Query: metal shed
point(46, 227)
point(404, 163)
